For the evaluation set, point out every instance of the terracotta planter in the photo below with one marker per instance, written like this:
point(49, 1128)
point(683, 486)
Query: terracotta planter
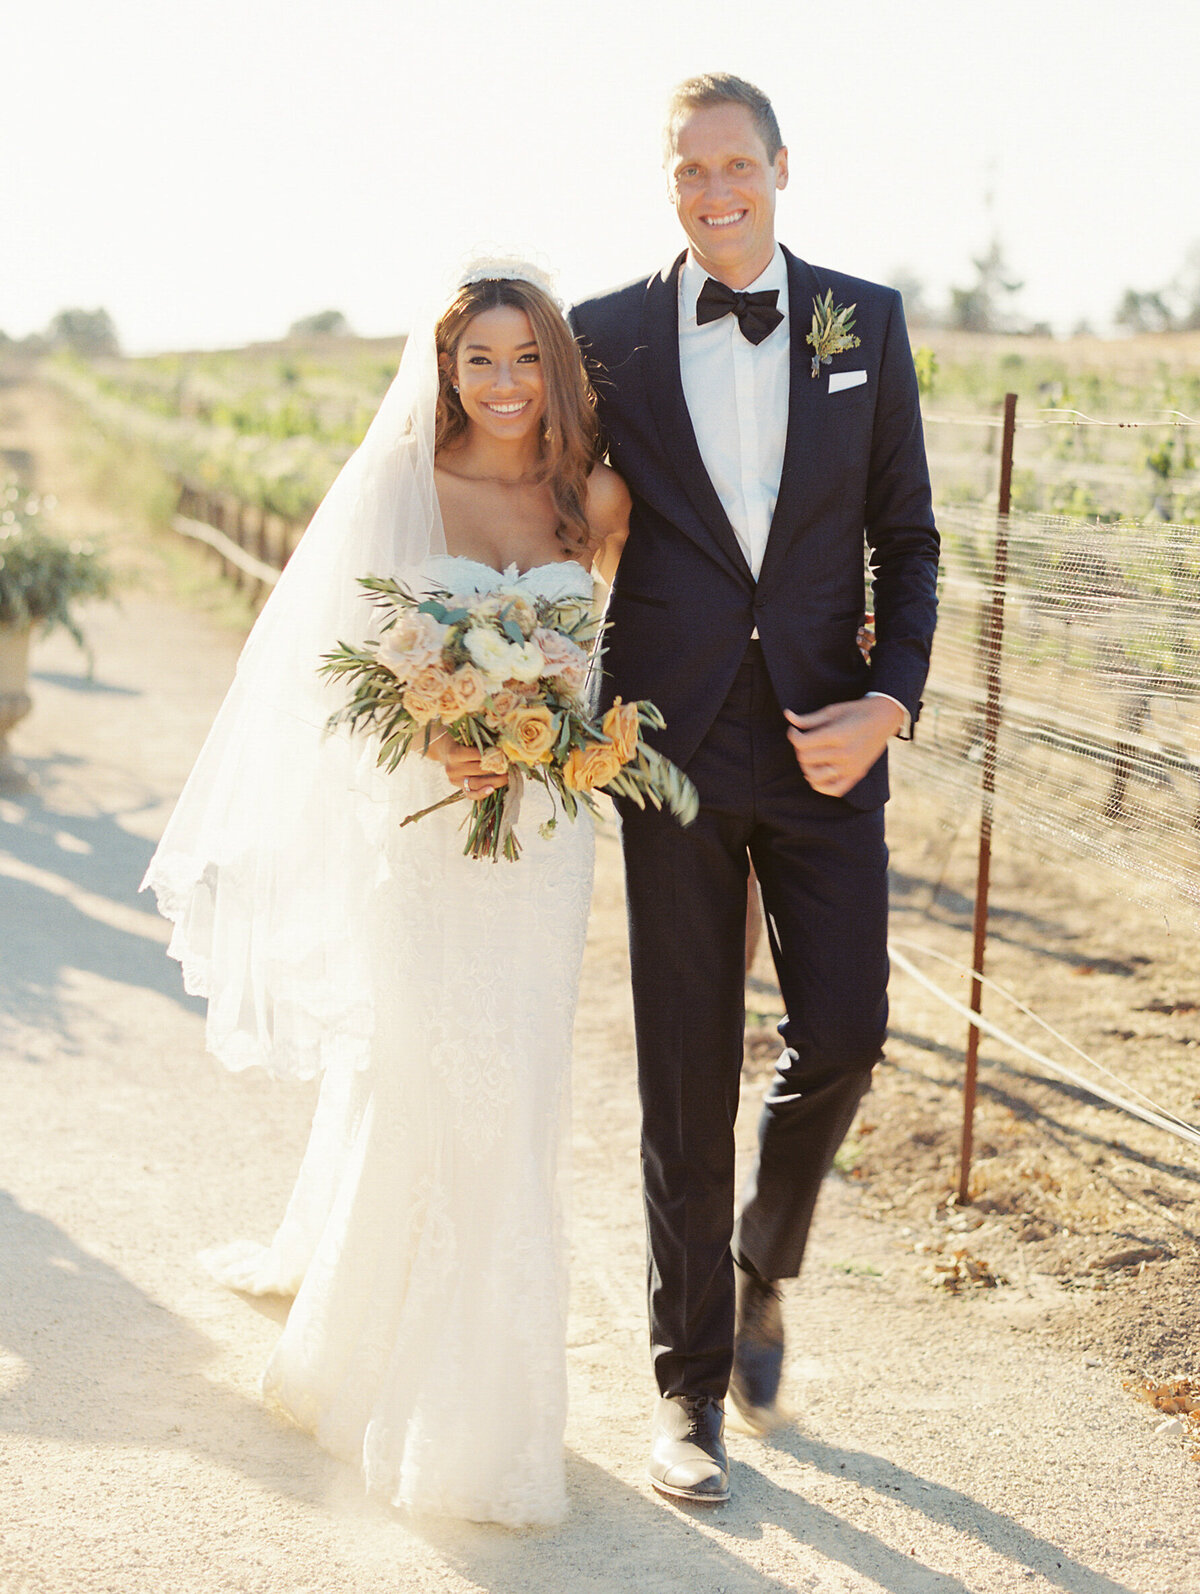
point(15, 701)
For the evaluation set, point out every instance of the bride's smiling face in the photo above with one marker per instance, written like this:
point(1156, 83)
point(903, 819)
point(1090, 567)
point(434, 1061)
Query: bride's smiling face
point(498, 370)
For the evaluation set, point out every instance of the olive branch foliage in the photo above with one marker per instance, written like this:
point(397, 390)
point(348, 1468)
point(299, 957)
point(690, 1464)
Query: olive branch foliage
point(831, 331)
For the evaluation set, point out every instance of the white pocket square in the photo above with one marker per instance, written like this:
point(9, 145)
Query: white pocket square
point(842, 379)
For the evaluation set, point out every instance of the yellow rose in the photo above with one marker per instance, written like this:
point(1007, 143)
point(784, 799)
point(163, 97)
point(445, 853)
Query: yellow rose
point(589, 767)
point(572, 770)
point(620, 724)
point(603, 763)
point(529, 736)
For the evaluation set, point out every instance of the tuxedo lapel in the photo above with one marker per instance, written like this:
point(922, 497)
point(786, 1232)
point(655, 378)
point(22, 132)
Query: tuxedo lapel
point(801, 460)
point(664, 390)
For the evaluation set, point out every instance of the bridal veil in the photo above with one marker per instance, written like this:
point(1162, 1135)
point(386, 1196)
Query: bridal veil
point(265, 864)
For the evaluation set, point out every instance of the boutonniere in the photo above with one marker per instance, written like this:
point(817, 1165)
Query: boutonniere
point(831, 332)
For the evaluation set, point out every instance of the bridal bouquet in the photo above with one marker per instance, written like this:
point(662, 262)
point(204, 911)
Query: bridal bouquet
point(505, 673)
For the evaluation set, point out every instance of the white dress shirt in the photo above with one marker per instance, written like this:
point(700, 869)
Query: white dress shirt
point(737, 397)
point(737, 394)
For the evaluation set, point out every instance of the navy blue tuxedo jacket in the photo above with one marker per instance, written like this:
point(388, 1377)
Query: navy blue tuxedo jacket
point(685, 604)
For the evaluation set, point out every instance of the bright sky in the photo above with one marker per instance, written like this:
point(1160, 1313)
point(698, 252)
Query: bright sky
point(210, 170)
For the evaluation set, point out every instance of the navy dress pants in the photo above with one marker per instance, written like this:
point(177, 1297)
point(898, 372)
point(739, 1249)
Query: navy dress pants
point(822, 867)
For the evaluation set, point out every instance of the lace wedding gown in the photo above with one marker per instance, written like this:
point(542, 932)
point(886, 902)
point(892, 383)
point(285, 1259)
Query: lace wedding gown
point(424, 1236)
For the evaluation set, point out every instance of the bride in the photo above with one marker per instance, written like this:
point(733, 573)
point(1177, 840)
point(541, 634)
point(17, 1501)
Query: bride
point(423, 1239)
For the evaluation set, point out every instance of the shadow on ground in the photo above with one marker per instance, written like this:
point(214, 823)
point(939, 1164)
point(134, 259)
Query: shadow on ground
point(103, 1364)
point(57, 861)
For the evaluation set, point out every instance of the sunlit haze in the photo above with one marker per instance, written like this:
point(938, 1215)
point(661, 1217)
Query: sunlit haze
point(211, 170)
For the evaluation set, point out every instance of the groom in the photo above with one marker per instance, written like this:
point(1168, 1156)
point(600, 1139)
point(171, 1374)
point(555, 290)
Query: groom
point(754, 477)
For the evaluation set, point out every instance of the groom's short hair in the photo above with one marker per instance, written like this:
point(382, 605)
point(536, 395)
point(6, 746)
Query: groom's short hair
point(720, 88)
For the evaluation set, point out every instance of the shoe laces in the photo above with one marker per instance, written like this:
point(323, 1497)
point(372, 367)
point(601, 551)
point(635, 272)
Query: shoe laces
point(696, 1407)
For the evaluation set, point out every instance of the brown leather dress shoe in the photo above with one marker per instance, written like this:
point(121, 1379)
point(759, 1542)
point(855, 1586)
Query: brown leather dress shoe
point(687, 1455)
point(757, 1352)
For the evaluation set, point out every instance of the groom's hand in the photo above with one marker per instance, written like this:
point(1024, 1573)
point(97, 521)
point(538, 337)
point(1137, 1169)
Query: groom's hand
point(835, 746)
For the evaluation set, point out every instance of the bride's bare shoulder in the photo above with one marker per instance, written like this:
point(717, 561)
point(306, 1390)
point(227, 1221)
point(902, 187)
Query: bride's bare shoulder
point(608, 501)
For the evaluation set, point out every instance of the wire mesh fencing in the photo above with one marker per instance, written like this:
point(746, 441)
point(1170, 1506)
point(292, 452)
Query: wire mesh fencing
point(1098, 748)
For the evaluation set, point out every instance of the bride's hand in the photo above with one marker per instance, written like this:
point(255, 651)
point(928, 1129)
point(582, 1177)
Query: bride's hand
point(463, 766)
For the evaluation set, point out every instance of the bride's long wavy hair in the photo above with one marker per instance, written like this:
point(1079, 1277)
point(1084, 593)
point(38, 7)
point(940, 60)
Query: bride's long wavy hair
point(570, 437)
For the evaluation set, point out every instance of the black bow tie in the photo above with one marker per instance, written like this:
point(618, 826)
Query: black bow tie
point(756, 312)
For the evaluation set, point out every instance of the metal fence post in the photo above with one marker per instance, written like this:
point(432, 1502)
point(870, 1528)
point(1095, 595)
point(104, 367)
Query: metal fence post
point(991, 643)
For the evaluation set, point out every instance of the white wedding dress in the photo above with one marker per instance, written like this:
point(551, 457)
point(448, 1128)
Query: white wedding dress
point(424, 1240)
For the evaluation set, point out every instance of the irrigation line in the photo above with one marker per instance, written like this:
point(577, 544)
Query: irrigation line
point(1003, 991)
point(1063, 418)
point(1159, 1118)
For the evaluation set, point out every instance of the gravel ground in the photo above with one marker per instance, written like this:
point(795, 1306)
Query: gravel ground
point(941, 1443)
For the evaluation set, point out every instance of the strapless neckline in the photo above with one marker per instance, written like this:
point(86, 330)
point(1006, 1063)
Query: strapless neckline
point(510, 572)
point(557, 580)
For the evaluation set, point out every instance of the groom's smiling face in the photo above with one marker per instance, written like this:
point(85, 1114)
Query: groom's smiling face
point(723, 186)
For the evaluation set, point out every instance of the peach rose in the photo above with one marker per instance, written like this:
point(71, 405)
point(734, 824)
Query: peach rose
point(464, 693)
point(529, 736)
point(471, 688)
point(503, 705)
point(413, 644)
point(620, 724)
point(572, 679)
point(423, 698)
point(510, 604)
point(493, 762)
point(591, 766)
point(566, 662)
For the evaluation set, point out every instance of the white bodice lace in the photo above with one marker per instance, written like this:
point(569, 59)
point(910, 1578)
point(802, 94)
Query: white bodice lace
point(562, 578)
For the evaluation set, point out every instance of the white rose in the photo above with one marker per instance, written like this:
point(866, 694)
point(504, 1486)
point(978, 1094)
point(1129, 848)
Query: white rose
point(526, 662)
point(490, 652)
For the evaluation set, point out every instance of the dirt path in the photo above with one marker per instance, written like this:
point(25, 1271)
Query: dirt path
point(941, 1445)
